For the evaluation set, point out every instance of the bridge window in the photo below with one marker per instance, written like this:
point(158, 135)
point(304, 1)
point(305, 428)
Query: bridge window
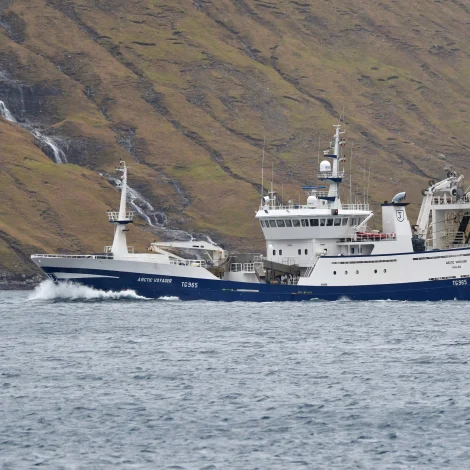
point(313, 222)
point(304, 222)
point(288, 223)
point(322, 222)
point(329, 222)
point(262, 223)
point(337, 222)
point(345, 222)
point(272, 223)
point(280, 223)
point(296, 222)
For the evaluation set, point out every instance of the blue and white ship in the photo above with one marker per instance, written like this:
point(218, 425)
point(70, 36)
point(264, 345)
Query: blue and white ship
point(321, 250)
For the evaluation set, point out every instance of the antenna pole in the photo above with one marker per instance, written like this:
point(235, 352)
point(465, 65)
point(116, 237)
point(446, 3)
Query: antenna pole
point(364, 192)
point(350, 174)
point(318, 153)
point(262, 172)
point(272, 179)
point(368, 182)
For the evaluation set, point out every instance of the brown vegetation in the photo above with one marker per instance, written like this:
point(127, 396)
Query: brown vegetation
point(188, 90)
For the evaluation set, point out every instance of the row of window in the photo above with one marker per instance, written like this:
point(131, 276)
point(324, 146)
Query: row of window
point(299, 251)
point(327, 222)
point(357, 272)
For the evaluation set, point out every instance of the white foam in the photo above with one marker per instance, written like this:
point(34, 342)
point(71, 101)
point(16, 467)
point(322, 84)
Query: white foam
point(169, 297)
point(48, 290)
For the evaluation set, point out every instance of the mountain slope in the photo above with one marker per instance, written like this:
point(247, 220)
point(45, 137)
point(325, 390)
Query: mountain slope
point(187, 92)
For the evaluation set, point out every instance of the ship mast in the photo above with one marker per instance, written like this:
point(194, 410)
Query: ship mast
point(122, 218)
point(333, 175)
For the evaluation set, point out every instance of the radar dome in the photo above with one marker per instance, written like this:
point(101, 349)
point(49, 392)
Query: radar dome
point(325, 166)
point(312, 201)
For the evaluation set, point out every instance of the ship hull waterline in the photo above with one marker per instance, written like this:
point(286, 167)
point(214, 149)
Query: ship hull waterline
point(184, 288)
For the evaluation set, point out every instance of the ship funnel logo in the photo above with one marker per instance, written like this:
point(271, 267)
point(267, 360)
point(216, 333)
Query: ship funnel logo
point(400, 216)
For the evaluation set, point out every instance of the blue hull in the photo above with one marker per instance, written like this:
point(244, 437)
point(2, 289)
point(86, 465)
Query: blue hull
point(151, 286)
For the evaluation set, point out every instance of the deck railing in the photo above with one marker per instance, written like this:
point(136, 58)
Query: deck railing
point(329, 174)
point(344, 207)
point(196, 263)
point(59, 256)
point(113, 216)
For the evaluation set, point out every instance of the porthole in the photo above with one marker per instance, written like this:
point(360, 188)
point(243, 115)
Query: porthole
point(345, 272)
point(375, 271)
point(385, 270)
point(357, 272)
point(334, 272)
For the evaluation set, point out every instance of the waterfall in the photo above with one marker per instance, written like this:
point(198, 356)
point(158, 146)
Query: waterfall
point(44, 140)
point(5, 112)
point(155, 219)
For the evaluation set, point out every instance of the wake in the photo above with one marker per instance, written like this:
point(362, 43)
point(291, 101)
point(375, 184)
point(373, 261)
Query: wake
point(48, 290)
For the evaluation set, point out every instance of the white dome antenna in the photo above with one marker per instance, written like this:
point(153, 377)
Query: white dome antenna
point(325, 166)
point(399, 197)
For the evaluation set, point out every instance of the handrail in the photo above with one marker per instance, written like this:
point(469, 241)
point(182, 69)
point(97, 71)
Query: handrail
point(100, 256)
point(197, 263)
point(293, 207)
point(113, 216)
point(330, 174)
point(311, 266)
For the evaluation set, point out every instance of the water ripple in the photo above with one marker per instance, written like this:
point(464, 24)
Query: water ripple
point(102, 383)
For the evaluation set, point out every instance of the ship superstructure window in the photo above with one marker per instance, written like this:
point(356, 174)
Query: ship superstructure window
point(280, 223)
point(306, 251)
point(337, 222)
point(313, 222)
point(296, 222)
point(262, 223)
point(280, 252)
point(272, 223)
point(353, 222)
point(329, 222)
point(345, 222)
point(322, 222)
point(288, 223)
point(304, 222)
point(299, 251)
point(274, 252)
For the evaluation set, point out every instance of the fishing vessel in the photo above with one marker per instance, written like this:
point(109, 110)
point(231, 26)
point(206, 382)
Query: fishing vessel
point(322, 250)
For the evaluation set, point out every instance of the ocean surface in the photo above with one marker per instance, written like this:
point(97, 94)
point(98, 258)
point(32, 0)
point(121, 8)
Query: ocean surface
point(101, 380)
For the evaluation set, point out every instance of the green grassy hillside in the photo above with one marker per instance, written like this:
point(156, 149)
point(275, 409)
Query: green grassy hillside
point(187, 91)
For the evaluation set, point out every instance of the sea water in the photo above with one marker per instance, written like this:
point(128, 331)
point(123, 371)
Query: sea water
point(92, 379)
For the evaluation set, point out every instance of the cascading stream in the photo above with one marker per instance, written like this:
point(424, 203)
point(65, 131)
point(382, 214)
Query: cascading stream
point(44, 140)
point(155, 219)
